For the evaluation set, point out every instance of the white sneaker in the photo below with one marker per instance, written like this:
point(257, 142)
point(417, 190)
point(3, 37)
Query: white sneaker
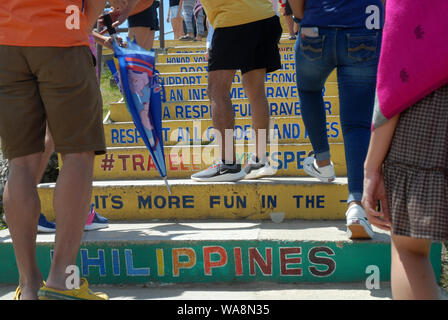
point(358, 227)
point(255, 170)
point(324, 174)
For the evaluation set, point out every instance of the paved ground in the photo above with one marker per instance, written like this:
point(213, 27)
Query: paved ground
point(240, 291)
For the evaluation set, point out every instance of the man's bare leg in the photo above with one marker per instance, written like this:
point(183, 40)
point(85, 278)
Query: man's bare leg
point(45, 157)
point(72, 197)
point(253, 83)
point(22, 208)
point(143, 35)
point(219, 85)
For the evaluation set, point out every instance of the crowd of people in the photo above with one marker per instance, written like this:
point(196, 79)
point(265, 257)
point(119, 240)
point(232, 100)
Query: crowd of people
point(49, 85)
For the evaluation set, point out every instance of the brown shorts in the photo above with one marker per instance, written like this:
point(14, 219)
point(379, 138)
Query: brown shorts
point(58, 85)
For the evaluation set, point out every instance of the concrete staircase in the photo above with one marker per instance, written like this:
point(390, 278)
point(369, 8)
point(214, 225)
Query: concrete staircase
point(285, 229)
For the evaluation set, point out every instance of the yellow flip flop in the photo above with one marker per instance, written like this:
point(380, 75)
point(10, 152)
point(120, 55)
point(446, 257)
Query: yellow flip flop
point(82, 293)
point(18, 292)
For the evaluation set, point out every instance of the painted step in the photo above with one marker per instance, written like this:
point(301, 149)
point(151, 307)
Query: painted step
point(200, 57)
point(296, 197)
point(283, 130)
point(280, 76)
point(177, 46)
point(201, 109)
point(182, 161)
point(203, 67)
point(272, 90)
point(221, 252)
point(283, 46)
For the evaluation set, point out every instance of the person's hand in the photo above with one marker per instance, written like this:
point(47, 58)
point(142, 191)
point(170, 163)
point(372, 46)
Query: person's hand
point(206, 55)
point(374, 191)
point(168, 19)
point(108, 42)
point(114, 15)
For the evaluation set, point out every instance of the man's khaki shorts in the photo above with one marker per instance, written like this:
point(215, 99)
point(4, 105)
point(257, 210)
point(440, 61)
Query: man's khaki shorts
point(58, 85)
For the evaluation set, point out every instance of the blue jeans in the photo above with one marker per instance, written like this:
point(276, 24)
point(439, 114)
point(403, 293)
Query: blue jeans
point(355, 54)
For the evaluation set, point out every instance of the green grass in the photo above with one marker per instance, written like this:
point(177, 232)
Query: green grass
point(109, 92)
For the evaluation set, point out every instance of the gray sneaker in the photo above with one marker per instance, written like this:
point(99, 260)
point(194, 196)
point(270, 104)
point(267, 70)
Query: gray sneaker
point(324, 174)
point(255, 170)
point(220, 172)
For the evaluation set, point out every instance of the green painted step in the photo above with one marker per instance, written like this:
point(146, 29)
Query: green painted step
point(124, 163)
point(143, 200)
point(283, 129)
point(201, 109)
point(224, 252)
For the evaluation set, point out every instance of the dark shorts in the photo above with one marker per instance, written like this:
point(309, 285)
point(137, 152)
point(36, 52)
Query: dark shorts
point(54, 85)
point(288, 10)
point(147, 18)
point(247, 47)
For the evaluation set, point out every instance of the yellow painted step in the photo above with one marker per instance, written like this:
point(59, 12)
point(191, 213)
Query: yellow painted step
point(272, 90)
point(135, 163)
point(284, 45)
point(200, 57)
point(176, 46)
point(201, 109)
point(298, 198)
point(280, 76)
point(201, 131)
point(203, 67)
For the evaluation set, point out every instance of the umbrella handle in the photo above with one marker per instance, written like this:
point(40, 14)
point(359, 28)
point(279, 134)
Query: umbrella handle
point(107, 19)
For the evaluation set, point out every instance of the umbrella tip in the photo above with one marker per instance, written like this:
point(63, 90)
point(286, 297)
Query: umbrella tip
point(167, 185)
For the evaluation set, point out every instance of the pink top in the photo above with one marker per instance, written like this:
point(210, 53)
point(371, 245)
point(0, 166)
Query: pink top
point(414, 55)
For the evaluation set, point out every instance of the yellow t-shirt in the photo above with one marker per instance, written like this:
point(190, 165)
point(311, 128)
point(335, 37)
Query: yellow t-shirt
point(229, 13)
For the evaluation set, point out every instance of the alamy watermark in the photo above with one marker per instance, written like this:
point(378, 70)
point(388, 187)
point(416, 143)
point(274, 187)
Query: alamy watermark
point(73, 21)
point(73, 280)
point(373, 21)
point(373, 280)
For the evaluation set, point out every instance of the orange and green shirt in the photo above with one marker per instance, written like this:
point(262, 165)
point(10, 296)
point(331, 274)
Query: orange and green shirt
point(43, 23)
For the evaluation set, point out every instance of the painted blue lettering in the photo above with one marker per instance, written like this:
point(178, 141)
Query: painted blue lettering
point(130, 270)
point(87, 262)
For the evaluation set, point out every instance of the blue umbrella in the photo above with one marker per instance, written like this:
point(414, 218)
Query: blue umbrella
point(139, 82)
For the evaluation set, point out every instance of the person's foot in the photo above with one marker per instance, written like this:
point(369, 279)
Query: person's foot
point(29, 292)
point(358, 227)
point(256, 169)
point(45, 226)
point(186, 38)
point(95, 221)
point(324, 174)
point(82, 293)
point(220, 172)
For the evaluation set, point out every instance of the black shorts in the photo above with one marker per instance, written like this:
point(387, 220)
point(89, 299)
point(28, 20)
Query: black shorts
point(247, 47)
point(288, 10)
point(147, 18)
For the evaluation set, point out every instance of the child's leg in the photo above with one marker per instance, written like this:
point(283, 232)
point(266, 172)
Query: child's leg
point(412, 275)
